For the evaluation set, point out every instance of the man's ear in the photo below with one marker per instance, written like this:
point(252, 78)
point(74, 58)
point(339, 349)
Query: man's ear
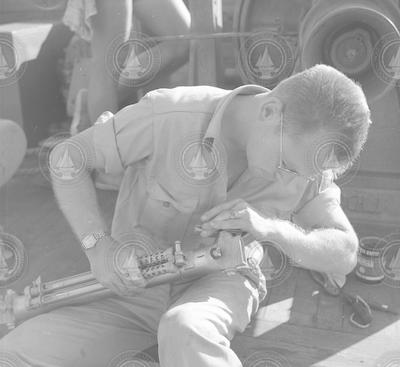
point(271, 109)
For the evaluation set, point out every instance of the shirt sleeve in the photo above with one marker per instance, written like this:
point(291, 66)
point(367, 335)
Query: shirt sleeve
point(125, 138)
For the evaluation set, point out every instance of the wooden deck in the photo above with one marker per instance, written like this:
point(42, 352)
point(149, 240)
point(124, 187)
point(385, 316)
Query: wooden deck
point(297, 325)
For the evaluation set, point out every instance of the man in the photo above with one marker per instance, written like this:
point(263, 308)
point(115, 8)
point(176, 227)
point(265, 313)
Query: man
point(251, 159)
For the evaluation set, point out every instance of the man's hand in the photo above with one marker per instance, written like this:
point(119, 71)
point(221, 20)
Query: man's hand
point(235, 215)
point(107, 268)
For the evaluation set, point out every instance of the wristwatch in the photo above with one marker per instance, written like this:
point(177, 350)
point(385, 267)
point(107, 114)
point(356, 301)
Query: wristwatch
point(91, 240)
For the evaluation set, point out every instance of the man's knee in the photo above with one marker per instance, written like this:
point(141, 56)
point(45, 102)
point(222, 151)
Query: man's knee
point(21, 338)
point(170, 324)
point(39, 342)
point(13, 345)
point(183, 323)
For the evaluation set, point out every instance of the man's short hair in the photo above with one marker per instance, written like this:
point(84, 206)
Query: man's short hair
point(323, 98)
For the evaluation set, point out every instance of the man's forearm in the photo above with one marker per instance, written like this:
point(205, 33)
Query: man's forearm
point(77, 198)
point(327, 250)
point(80, 207)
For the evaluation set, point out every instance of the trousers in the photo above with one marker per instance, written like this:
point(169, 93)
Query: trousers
point(193, 324)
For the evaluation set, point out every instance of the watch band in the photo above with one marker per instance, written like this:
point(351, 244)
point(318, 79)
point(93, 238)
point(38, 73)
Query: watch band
point(91, 240)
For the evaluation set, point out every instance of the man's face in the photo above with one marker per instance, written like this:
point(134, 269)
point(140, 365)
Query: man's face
point(310, 154)
point(271, 149)
point(303, 156)
point(298, 154)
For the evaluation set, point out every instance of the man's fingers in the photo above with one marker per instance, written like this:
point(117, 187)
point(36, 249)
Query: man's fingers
point(224, 215)
point(228, 224)
point(118, 285)
point(138, 283)
point(208, 233)
point(238, 213)
point(235, 213)
point(220, 208)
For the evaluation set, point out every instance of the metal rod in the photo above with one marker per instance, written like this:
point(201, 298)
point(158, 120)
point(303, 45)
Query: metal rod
point(215, 35)
point(68, 294)
point(21, 312)
point(68, 281)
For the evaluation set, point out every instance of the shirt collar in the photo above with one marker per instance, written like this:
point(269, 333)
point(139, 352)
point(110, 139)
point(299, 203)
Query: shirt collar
point(214, 128)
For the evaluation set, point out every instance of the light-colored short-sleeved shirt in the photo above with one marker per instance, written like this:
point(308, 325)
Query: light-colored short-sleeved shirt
point(169, 150)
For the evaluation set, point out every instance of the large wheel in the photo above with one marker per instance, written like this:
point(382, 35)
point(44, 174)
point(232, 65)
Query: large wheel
point(267, 53)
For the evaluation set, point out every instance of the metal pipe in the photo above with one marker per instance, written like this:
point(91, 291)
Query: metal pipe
point(216, 35)
point(68, 281)
point(71, 293)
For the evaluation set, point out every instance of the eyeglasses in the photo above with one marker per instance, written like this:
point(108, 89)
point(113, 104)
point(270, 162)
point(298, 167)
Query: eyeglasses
point(282, 165)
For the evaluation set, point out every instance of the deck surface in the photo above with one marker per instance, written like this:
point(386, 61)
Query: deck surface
point(297, 325)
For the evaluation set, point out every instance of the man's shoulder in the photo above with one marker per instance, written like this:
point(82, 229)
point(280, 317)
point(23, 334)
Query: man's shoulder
point(186, 99)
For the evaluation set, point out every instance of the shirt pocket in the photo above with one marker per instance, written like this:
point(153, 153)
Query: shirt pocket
point(165, 216)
